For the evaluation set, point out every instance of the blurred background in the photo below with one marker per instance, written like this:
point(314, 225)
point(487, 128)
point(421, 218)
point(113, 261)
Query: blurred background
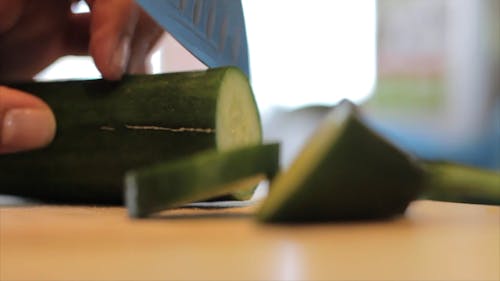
point(426, 72)
point(438, 75)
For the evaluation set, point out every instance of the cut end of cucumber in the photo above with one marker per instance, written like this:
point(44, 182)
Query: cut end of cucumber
point(238, 121)
point(131, 196)
point(346, 171)
point(306, 163)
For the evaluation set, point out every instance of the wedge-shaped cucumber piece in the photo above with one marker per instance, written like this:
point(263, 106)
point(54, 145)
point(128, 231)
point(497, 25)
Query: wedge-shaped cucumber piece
point(198, 177)
point(105, 128)
point(346, 171)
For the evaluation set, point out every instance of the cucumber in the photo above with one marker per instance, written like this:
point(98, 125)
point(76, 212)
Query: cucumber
point(453, 182)
point(345, 172)
point(106, 128)
point(198, 177)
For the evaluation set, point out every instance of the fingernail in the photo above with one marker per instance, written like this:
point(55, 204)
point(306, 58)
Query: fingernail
point(26, 129)
point(120, 59)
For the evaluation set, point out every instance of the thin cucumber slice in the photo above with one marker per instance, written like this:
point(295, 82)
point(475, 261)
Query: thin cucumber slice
point(198, 177)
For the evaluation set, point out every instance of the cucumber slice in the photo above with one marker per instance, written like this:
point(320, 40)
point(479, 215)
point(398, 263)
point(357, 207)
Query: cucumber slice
point(198, 177)
point(346, 171)
point(106, 128)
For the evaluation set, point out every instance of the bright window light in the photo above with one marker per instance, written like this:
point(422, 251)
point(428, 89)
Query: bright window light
point(70, 67)
point(311, 52)
point(80, 7)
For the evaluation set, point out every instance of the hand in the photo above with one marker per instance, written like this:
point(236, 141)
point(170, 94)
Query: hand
point(34, 33)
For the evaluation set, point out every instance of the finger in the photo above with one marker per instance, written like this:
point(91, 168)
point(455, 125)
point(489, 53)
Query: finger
point(112, 27)
point(146, 35)
point(10, 13)
point(26, 122)
point(77, 34)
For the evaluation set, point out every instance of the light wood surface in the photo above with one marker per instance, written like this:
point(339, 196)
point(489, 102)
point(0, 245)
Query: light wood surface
point(433, 241)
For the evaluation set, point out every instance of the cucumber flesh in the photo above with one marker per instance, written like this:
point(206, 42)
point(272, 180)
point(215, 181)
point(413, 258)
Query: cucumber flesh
point(198, 177)
point(106, 128)
point(237, 120)
point(346, 171)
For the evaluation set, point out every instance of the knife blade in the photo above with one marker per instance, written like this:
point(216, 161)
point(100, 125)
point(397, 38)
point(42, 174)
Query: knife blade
point(212, 30)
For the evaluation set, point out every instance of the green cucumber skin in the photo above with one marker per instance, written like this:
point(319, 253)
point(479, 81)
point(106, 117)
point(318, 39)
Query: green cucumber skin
point(361, 176)
point(198, 177)
point(454, 182)
point(91, 170)
point(93, 148)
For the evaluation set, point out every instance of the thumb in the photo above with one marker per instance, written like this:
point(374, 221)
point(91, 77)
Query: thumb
point(26, 122)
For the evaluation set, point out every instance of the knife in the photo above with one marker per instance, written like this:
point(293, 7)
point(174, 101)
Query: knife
point(212, 30)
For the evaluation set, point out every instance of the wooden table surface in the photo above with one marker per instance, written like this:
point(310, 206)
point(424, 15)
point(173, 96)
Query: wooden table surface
point(433, 241)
